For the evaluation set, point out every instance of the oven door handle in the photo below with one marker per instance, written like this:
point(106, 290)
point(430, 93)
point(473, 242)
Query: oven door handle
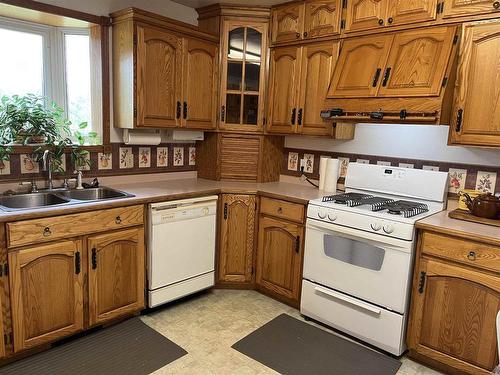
point(349, 300)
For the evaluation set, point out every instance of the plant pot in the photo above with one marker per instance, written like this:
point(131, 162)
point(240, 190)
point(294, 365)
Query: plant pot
point(30, 139)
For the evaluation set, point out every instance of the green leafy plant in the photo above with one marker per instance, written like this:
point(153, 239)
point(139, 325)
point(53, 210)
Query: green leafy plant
point(29, 119)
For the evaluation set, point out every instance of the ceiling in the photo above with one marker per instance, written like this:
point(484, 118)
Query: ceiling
point(202, 3)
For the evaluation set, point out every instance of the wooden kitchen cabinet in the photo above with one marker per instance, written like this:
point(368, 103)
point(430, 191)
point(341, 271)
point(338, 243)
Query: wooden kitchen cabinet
point(279, 258)
point(463, 8)
point(46, 289)
point(236, 240)
point(455, 301)
point(287, 22)
point(365, 14)
point(116, 274)
point(403, 12)
point(164, 73)
point(475, 120)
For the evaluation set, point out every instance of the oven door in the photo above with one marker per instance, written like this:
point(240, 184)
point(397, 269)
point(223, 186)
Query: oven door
point(369, 266)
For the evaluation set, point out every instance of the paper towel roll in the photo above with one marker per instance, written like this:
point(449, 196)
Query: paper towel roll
point(322, 172)
point(141, 138)
point(331, 175)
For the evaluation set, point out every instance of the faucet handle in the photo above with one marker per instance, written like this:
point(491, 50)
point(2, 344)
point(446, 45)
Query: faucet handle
point(32, 184)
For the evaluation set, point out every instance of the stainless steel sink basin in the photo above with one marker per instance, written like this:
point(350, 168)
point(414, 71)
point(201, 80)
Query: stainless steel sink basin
point(95, 194)
point(23, 201)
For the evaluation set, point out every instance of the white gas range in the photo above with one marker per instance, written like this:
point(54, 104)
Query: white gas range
point(360, 247)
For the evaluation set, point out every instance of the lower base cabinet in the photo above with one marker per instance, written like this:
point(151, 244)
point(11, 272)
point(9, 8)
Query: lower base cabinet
point(279, 258)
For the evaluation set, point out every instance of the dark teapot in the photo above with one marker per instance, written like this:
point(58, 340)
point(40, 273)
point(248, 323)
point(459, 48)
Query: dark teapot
point(484, 205)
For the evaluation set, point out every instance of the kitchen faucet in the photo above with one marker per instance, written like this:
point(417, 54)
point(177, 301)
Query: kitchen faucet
point(47, 165)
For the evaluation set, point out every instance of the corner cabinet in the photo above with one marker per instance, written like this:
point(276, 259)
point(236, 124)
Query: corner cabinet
point(165, 73)
point(236, 247)
point(475, 116)
point(46, 288)
point(455, 301)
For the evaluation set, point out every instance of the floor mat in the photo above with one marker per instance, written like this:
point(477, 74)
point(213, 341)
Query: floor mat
point(128, 348)
point(293, 347)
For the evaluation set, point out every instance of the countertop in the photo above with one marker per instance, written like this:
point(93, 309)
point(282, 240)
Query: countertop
point(158, 191)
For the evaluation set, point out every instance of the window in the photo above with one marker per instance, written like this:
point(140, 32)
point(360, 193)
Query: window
point(49, 61)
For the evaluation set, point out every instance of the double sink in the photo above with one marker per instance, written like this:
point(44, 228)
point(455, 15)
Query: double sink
point(59, 197)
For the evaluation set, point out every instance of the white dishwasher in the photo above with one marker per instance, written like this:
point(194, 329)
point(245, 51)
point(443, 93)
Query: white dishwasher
point(181, 251)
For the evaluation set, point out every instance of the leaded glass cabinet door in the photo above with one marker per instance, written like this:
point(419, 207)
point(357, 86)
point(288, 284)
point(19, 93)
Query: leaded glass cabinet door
point(243, 76)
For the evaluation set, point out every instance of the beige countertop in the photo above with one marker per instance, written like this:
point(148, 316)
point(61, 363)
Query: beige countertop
point(157, 191)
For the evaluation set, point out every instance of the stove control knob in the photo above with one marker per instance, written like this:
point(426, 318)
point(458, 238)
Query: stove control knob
point(332, 217)
point(322, 214)
point(388, 228)
point(376, 227)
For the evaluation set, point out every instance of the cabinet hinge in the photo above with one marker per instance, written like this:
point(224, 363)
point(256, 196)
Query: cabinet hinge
point(421, 283)
point(297, 244)
point(344, 4)
point(342, 24)
point(225, 211)
point(135, 39)
point(455, 39)
point(255, 205)
point(77, 263)
point(252, 270)
point(445, 80)
point(6, 269)
point(135, 112)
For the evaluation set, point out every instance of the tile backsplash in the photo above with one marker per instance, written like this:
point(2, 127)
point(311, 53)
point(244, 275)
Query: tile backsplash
point(122, 160)
point(462, 176)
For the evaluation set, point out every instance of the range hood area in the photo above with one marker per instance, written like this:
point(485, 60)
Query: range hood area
point(401, 77)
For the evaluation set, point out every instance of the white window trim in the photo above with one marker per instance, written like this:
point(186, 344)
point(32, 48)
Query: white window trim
point(54, 65)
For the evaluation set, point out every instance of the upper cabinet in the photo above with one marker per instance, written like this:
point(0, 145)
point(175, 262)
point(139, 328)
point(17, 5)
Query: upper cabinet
point(462, 8)
point(376, 14)
point(476, 110)
point(244, 46)
point(165, 73)
point(304, 20)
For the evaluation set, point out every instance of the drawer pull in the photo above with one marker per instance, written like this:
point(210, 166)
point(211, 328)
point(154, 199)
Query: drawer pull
point(472, 256)
point(46, 232)
point(94, 258)
point(118, 220)
point(280, 210)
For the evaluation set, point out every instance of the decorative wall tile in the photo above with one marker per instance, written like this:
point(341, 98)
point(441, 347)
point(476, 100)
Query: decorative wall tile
point(309, 163)
point(4, 167)
point(126, 157)
point(144, 157)
point(382, 162)
point(344, 163)
point(363, 161)
point(486, 181)
point(178, 156)
point(430, 168)
point(105, 161)
point(162, 157)
point(457, 178)
point(406, 165)
point(85, 164)
point(28, 165)
point(192, 155)
point(293, 161)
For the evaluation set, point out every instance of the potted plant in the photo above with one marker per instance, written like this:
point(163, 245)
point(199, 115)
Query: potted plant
point(28, 120)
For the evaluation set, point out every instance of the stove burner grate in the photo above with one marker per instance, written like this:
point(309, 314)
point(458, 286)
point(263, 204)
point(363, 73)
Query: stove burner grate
point(406, 208)
point(376, 203)
point(346, 198)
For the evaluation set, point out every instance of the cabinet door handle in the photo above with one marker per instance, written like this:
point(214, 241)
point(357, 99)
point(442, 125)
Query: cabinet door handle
point(297, 244)
point(47, 232)
point(496, 4)
point(118, 220)
point(390, 20)
point(225, 211)
point(94, 258)
point(421, 283)
point(386, 77)
point(460, 116)
point(305, 34)
point(178, 110)
point(472, 256)
point(294, 114)
point(380, 21)
point(299, 117)
point(376, 77)
point(185, 114)
point(297, 35)
point(77, 263)
point(223, 113)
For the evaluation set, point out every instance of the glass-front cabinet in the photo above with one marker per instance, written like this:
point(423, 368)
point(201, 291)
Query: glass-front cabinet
point(243, 76)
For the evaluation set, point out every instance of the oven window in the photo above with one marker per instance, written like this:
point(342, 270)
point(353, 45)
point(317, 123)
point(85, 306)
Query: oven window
point(354, 252)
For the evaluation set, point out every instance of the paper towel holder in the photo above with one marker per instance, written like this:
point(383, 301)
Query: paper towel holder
point(154, 141)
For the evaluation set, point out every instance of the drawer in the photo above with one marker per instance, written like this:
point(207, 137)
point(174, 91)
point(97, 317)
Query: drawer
point(282, 209)
point(467, 252)
point(27, 232)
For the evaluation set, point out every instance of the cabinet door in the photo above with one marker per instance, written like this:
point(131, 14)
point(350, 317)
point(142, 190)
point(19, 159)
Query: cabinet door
point(418, 62)
point(287, 23)
point(283, 90)
point(116, 274)
point(200, 85)
point(359, 68)
point(46, 290)
point(159, 76)
point(463, 8)
point(476, 115)
point(279, 267)
point(318, 62)
point(365, 14)
point(403, 12)
point(322, 18)
point(237, 238)
point(453, 316)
